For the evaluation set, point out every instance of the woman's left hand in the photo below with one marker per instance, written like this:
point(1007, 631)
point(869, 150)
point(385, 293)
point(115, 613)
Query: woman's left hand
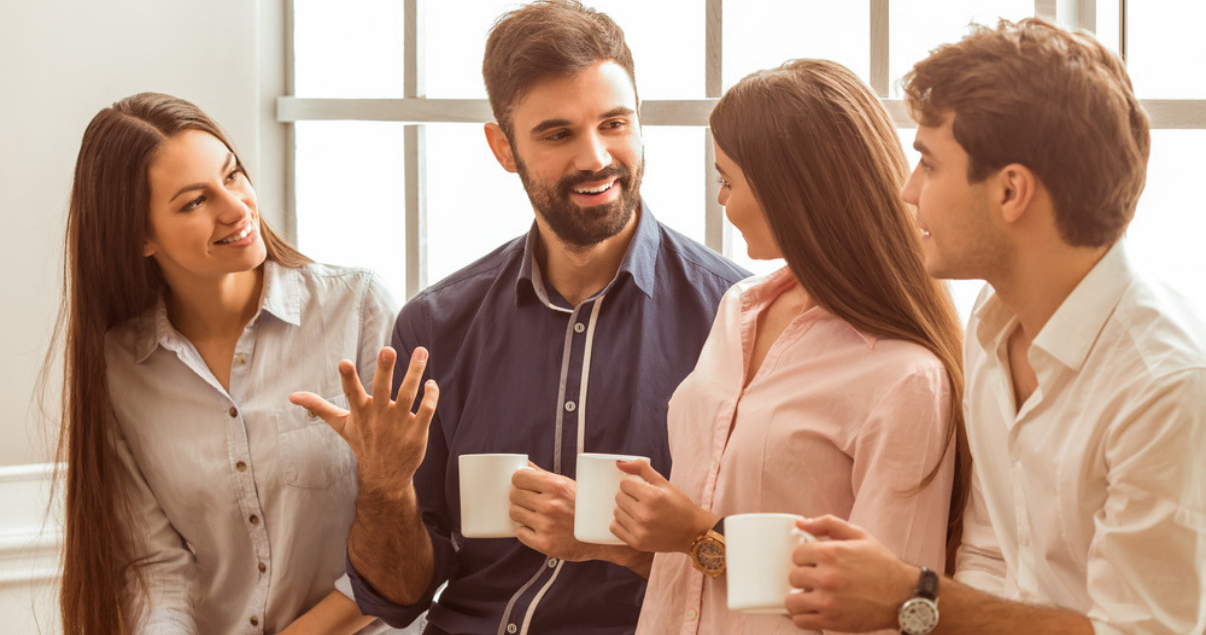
point(653, 515)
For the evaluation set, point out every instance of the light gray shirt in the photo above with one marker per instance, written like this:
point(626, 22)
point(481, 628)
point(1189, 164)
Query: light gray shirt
point(242, 502)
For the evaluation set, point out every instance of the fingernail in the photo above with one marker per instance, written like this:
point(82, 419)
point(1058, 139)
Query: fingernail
point(421, 354)
point(430, 383)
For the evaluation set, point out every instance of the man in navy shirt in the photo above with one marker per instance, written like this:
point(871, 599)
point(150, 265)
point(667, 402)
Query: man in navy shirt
point(568, 340)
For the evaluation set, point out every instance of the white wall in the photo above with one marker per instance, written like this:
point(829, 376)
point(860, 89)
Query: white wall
point(60, 62)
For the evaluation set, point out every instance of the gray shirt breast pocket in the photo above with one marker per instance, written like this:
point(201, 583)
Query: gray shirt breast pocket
point(313, 455)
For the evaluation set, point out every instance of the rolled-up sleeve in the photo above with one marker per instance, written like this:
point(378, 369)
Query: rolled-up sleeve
point(429, 484)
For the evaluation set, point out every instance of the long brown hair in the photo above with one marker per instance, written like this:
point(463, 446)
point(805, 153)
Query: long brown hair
point(822, 158)
point(106, 281)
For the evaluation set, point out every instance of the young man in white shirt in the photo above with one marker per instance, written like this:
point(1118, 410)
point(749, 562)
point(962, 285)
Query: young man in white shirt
point(1085, 384)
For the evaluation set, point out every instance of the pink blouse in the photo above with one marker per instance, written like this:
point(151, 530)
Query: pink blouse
point(835, 421)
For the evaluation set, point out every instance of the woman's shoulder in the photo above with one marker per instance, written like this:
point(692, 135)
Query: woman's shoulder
point(326, 283)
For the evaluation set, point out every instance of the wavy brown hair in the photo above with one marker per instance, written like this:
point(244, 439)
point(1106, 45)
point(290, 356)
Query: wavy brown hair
point(823, 159)
point(107, 281)
point(1055, 101)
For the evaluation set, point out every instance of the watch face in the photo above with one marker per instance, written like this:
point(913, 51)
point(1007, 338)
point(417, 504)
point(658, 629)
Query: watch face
point(918, 616)
point(710, 556)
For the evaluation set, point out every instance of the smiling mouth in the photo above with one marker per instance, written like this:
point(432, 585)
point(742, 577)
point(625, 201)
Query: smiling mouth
point(598, 189)
point(237, 236)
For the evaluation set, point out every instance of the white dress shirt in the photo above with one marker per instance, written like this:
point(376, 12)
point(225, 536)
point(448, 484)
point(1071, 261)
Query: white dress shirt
point(1091, 495)
point(242, 502)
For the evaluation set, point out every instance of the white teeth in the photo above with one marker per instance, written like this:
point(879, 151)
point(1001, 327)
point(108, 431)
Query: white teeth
point(594, 190)
point(239, 236)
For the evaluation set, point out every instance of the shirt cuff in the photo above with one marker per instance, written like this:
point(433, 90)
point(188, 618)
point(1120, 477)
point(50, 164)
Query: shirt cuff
point(396, 615)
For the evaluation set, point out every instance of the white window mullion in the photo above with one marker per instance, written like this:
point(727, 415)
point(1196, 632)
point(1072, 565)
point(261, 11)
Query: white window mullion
point(414, 147)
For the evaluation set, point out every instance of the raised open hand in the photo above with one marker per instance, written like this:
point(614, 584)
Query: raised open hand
point(389, 440)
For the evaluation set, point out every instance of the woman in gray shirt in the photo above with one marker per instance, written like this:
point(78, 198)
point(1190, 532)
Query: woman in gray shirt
point(199, 501)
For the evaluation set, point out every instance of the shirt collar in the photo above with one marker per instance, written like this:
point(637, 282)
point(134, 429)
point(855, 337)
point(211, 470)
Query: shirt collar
point(1069, 334)
point(640, 260)
point(281, 297)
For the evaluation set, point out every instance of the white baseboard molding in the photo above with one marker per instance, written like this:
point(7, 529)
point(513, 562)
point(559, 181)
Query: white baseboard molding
point(31, 533)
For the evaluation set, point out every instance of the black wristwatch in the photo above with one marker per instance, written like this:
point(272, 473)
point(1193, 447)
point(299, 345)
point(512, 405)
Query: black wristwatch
point(919, 614)
point(707, 551)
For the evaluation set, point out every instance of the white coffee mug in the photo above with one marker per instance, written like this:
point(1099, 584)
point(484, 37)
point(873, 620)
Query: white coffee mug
point(595, 501)
point(758, 560)
point(486, 494)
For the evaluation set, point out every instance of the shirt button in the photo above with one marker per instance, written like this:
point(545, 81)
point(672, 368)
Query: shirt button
point(240, 359)
point(569, 406)
point(255, 621)
point(691, 615)
point(310, 414)
point(257, 320)
point(579, 327)
point(241, 466)
point(255, 520)
point(552, 562)
point(234, 412)
point(715, 464)
point(511, 628)
point(262, 567)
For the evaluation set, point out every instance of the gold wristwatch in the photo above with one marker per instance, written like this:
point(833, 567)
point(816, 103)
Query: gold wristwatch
point(707, 551)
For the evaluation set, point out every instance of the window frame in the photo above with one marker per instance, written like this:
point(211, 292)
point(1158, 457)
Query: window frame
point(415, 110)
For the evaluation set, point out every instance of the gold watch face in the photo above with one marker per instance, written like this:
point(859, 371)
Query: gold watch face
point(709, 556)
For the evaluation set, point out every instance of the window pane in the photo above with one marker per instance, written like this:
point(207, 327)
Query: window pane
point(347, 49)
point(666, 38)
point(674, 184)
point(1165, 237)
point(350, 196)
point(918, 26)
point(473, 204)
point(762, 34)
point(1165, 49)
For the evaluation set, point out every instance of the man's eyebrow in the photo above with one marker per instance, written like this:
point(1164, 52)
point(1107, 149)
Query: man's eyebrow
point(618, 111)
point(549, 123)
point(198, 186)
point(719, 169)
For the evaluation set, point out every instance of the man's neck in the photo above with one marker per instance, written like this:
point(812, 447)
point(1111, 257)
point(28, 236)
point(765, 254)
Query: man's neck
point(1041, 278)
point(577, 272)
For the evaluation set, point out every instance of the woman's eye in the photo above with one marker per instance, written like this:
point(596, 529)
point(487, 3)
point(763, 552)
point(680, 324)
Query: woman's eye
point(193, 204)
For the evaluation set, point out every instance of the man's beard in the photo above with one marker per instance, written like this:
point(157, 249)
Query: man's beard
point(585, 226)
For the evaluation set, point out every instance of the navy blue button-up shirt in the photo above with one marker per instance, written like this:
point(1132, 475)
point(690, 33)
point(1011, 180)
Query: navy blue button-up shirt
point(522, 371)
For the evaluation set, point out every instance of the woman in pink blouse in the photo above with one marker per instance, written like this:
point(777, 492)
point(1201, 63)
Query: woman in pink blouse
point(831, 386)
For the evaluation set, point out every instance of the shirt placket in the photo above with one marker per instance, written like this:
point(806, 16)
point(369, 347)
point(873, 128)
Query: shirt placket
point(517, 617)
point(243, 472)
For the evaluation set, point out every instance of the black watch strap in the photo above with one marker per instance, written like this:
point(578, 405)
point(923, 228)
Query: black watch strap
point(927, 584)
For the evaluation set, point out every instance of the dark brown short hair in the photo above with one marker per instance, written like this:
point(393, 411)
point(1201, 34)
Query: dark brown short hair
point(547, 38)
point(1055, 101)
